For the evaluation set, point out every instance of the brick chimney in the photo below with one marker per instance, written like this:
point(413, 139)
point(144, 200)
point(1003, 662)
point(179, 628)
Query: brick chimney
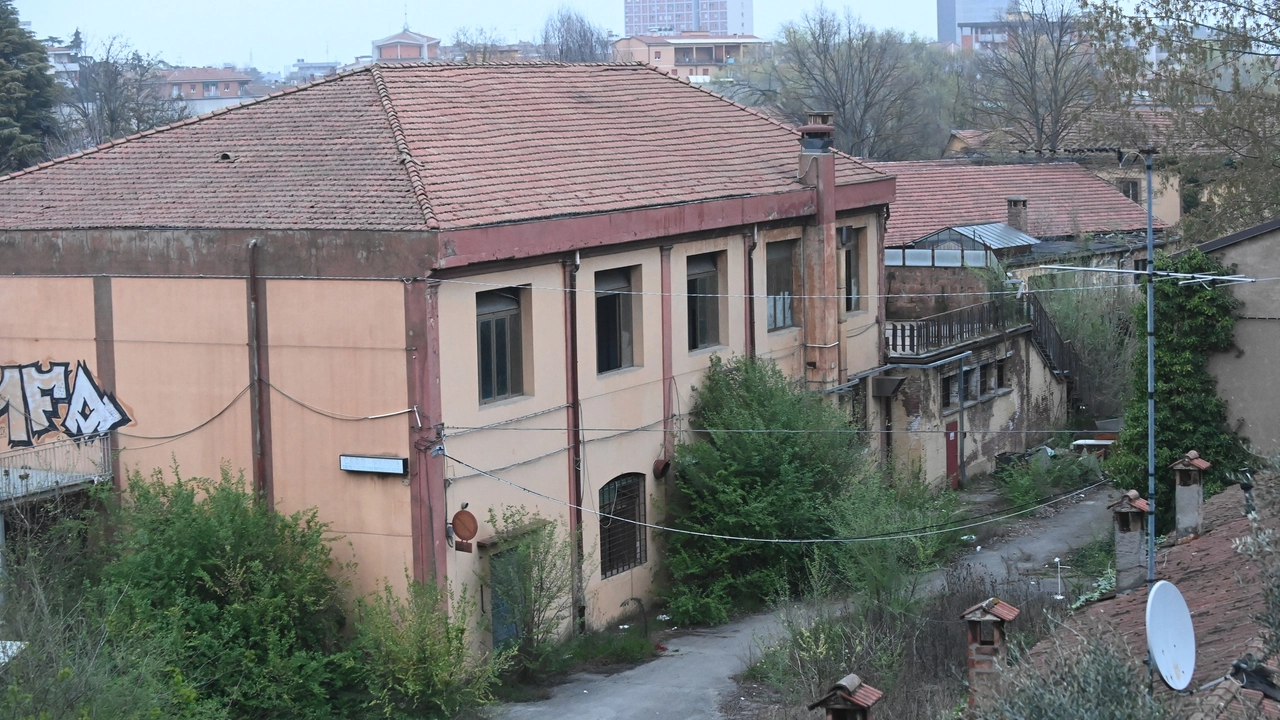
point(1129, 515)
point(849, 699)
point(1017, 207)
point(1189, 493)
point(817, 169)
point(988, 644)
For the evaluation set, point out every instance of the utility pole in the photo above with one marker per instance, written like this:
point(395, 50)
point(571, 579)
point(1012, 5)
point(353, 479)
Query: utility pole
point(1147, 155)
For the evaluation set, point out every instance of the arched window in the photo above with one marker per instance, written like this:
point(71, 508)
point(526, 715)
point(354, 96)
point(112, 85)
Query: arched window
point(622, 543)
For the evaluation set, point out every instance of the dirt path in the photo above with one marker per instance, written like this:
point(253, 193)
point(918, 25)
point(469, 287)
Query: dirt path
point(691, 680)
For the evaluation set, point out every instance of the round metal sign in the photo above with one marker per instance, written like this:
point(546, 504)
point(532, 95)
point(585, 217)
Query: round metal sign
point(464, 525)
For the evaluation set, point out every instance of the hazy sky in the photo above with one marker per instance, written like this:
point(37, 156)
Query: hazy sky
point(276, 33)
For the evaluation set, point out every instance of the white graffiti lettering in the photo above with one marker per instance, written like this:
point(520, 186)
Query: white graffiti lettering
point(33, 399)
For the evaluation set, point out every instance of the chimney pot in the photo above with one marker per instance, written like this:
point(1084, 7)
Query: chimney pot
point(1131, 548)
point(818, 135)
point(1017, 207)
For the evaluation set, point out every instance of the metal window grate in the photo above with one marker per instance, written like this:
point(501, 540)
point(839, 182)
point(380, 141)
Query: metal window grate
point(622, 544)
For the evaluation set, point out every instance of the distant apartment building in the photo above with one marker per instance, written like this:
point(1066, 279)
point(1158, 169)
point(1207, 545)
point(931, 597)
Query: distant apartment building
point(65, 62)
point(205, 89)
point(304, 71)
point(958, 17)
point(660, 17)
point(699, 56)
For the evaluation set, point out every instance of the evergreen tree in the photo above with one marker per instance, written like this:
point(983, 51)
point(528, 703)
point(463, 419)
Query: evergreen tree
point(1192, 321)
point(28, 93)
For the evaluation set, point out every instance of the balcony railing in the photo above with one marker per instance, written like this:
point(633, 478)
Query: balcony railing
point(954, 327)
point(53, 467)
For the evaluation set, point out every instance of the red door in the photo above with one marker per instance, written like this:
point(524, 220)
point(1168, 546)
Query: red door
point(953, 454)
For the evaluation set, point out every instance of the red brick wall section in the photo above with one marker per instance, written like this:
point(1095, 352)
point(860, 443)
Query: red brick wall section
point(916, 292)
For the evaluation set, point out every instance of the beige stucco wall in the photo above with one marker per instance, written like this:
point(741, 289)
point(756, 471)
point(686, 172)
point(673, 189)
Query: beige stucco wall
point(1247, 377)
point(1166, 191)
point(181, 359)
point(46, 320)
point(339, 347)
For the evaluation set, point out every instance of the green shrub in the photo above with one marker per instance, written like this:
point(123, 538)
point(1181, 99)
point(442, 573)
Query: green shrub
point(532, 578)
point(245, 591)
point(416, 657)
point(1025, 481)
point(766, 485)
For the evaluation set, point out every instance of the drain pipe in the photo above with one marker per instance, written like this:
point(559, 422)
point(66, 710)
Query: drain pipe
point(750, 345)
point(575, 435)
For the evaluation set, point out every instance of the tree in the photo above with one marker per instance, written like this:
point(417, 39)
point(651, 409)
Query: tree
point(888, 92)
point(567, 36)
point(1039, 86)
point(28, 93)
point(1211, 65)
point(119, 95)
point(476, 44)
point(1192, 321)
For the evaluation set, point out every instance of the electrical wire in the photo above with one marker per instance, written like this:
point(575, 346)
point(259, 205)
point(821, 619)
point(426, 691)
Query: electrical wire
point(338, 416)
point(759, 431)
point(776, 541)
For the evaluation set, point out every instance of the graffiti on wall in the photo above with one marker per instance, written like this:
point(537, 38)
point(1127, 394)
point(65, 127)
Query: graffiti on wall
point(36, 401)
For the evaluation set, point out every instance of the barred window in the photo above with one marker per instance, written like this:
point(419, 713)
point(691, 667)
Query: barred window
point(622, 543)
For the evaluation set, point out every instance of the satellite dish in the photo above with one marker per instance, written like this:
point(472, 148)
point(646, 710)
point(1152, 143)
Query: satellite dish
point(1170, 636)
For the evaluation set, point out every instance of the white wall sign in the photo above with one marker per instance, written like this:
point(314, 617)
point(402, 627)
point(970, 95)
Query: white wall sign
point(35, 402)
point(374, 464)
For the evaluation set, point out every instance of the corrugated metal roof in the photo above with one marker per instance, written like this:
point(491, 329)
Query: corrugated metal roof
point(996, 235)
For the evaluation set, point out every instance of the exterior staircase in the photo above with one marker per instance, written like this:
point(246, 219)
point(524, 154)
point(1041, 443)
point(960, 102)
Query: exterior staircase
point(1058, 353)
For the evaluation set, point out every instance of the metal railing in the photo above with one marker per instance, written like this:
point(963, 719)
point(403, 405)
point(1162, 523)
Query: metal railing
point(937, 332)
point(1061, 356)
point(54, 467)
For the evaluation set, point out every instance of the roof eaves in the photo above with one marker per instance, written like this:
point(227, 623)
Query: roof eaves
point(1241, 236)
point(402, 146)
point(181, 123)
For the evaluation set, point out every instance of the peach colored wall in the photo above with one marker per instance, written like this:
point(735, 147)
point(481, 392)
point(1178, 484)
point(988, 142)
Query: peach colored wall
point(46, 320)
point(339, 347)
point(181, 358)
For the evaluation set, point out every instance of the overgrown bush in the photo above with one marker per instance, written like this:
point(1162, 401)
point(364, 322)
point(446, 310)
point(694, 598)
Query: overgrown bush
point(1089, 678)
point(1192, 322)
point(246, 591)
point(416, 657)
point(779, 462)
point(915, 651)
point(1025, 481)
point(188, 598)
point(1099, 323)
point(533, 579)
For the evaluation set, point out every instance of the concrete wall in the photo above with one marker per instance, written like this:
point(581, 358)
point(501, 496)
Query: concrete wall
point(1007, 420)
point(1246, 377)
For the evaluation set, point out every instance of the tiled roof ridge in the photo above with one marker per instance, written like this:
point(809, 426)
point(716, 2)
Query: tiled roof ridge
point(407, 159)
point(181, 123)
point(753, 111)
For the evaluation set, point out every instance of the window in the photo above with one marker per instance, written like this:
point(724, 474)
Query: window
point(226, 87)
point(1002, 381)
point(971, 387)
point(851, 241)
point(780, 279)
point(1140, 271)
point(193, 88)
point(950, 391)
point(498, 330)
point(622, 541)
point(211, 88)
point(657, 54)
point(1131, 189)
point(704, 301)
point(614, 345)
point(985, 377)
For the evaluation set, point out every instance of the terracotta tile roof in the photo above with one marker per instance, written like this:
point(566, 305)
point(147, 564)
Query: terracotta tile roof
point(1133, 500)
point(204, 74)
point(406, 36)
point(1063, 199)
point(422, 146)
point(1220, 586)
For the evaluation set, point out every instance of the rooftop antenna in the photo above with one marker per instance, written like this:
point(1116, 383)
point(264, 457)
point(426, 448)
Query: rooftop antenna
point(1171, 638)
point(406, 17)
